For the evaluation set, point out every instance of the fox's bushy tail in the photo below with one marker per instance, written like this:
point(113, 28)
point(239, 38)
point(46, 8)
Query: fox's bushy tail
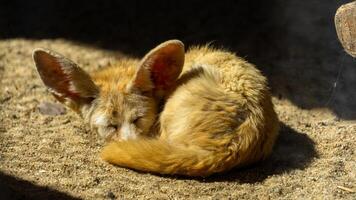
point(160, 156)
point(201, 157)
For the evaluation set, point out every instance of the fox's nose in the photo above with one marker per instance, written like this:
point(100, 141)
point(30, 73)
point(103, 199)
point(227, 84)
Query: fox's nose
point(113, 123)
point(115, 126)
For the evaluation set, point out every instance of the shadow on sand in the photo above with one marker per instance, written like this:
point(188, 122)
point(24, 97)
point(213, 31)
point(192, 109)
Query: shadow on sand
point(12, 188)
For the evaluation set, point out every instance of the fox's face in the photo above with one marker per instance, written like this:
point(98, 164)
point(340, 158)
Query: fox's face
point(120, 111)
point(119, 102)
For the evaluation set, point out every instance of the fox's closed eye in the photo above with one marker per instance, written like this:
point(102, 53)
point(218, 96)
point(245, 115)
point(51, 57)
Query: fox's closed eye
point(90, 99)
point(136, 120)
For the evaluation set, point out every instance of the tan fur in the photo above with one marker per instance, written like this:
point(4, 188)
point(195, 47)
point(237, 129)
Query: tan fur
point(215, 116)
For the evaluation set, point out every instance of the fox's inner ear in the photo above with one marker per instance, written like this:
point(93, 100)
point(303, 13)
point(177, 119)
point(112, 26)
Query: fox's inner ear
point(160, 68)
point(65, 80)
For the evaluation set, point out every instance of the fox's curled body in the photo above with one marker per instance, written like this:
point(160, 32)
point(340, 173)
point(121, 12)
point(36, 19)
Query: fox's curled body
point(216, 112)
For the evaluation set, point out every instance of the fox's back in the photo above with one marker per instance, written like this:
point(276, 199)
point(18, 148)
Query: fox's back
point(221, 98)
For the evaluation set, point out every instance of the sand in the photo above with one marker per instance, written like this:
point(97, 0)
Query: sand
point(48, 157)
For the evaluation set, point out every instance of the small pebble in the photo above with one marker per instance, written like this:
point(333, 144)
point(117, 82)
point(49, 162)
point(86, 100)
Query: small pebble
point(111, 195)
point(48, 108)
point(96, 181)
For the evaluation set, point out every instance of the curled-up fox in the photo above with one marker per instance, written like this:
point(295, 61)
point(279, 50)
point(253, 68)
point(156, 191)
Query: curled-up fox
point(195, 113)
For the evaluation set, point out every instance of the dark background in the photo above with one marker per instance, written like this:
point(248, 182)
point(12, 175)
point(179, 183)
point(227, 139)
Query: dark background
point(293, 42)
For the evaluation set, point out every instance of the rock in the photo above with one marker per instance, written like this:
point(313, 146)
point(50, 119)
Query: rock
point(345, 23)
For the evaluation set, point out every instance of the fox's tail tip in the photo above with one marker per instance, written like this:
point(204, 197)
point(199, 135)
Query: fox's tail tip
point(107, 151)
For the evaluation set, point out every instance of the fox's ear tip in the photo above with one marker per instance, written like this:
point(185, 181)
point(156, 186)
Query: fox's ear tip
point(176, 42)
point(38, 51)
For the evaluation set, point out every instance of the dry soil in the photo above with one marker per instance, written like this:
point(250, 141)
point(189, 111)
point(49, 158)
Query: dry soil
point(48, 157)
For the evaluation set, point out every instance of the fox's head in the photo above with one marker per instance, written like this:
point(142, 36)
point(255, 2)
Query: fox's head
point(119, 102)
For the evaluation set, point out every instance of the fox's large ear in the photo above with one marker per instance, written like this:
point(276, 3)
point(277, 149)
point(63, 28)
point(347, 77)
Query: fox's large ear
point(160, 68)
point(65, 80)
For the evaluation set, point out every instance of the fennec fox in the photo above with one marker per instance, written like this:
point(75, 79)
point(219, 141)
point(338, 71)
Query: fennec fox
point(194, 113)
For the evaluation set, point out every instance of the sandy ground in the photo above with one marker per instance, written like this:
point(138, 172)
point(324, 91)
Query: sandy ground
point(48, 157)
